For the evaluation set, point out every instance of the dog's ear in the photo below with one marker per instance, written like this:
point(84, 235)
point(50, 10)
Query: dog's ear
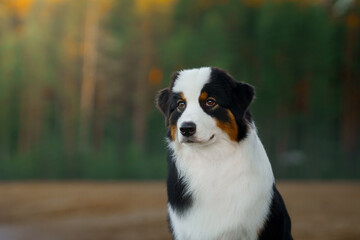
point(173, 78)
point(162, 102)
point(243, 94)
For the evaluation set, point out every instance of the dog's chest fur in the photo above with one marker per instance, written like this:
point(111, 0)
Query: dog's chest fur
point(228, 186)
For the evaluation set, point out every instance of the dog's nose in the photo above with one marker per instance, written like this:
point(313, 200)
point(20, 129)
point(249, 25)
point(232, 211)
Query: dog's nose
point(188, 129)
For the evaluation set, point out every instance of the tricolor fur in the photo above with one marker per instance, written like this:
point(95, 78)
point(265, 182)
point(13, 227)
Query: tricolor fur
point(220, 183)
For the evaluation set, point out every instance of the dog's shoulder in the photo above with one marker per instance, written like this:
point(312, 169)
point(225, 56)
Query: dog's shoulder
point(278, 224)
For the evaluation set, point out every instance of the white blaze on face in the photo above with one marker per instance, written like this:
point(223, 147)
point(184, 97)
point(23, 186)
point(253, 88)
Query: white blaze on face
point(190, 83)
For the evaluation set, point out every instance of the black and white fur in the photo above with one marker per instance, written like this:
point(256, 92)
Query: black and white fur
point(220, 182)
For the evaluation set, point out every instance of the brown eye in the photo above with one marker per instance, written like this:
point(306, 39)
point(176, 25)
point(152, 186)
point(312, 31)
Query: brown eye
point(210, 102)
point(181, 104)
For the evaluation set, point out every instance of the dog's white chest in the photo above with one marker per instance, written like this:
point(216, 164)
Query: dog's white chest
point(224, 212)
point(230, 196)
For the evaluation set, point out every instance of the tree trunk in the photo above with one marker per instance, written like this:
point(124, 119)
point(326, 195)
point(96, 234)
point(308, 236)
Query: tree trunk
point(142, 84)
point(89, 71)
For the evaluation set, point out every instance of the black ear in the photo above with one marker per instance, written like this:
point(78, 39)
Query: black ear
point(174, 76)
point(162, 101)
point(243, 94)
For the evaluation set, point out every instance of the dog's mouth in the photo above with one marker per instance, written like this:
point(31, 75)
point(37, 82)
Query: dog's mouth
point(193, 140)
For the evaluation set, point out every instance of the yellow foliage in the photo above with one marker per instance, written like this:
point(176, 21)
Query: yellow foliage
point(147, 6)
point(104, 5)
point(20, 7)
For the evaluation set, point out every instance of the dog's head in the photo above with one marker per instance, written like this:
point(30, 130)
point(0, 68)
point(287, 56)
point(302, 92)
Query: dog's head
point(205, 104)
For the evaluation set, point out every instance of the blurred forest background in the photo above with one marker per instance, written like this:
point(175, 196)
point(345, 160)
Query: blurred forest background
point(78, 80)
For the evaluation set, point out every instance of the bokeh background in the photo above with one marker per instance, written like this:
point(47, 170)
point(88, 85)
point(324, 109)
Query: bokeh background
point(78, 80)
point(77, 87)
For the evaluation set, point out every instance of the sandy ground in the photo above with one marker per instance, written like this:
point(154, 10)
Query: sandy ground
point(137, 210)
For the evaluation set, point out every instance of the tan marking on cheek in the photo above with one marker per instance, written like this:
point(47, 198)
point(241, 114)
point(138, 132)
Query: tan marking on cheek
point(172, 132)
point(183, 97)
point(172, 128)
point(230, 128)
point(204, 96)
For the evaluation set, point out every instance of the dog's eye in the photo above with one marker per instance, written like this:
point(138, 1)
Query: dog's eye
point(210, 102)
point(181, 104)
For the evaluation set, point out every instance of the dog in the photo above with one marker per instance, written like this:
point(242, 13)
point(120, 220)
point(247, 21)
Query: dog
point(220, 182)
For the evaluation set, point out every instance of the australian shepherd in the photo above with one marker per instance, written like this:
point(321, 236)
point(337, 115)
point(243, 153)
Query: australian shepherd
point(220, 183)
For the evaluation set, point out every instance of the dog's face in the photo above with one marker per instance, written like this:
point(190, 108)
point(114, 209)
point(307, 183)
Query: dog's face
point(205, 104)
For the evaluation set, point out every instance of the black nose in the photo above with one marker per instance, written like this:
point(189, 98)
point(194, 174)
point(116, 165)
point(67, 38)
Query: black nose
point(188, 129)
